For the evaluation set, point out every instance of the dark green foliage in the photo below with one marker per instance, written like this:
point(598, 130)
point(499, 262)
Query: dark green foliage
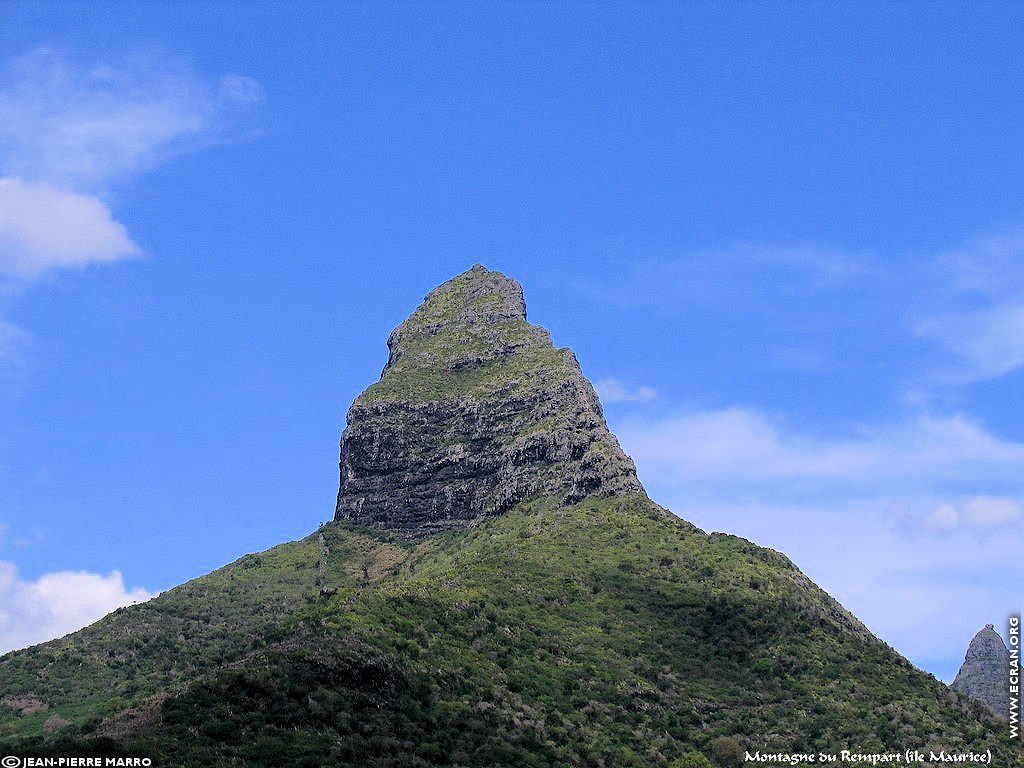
point(691, 760)
point(610, 633)
point(727, 752)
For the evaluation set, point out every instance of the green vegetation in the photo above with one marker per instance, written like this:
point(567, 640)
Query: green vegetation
point(610, 633)
point(486, 376)
point(468, 338)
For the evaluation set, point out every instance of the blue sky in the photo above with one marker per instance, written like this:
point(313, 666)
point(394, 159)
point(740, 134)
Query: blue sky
point(785, 240)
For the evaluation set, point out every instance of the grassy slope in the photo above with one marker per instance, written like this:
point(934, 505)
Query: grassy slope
point(610, 633)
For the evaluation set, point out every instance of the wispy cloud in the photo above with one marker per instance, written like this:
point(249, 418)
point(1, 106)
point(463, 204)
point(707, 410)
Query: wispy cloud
point(69, 133)
point(986, 266)
point(955, 315)
point(987, 342)
point(977, 311)
point(57, 603)
point(14, 342)
point(614, 391)
point(741, 275)
point(82, 127)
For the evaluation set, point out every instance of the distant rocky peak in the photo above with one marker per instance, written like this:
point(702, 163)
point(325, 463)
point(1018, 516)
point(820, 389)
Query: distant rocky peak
point(985, 674)
point(475, 412)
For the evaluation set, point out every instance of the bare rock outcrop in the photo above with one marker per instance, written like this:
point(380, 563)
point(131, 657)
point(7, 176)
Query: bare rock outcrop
point(985, 674)
point(475, 411)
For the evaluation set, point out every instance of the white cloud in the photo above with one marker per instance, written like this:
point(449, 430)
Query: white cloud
point(613, 391)
point(43, 228)
point(83, 127)
point(57, 603)
point(944, 517)
point(977, 514)
point(990, 512)
point(740, 445)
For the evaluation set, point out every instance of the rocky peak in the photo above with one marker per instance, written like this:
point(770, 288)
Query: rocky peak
point(479, 315)
point(985, 674)
point(475, 412)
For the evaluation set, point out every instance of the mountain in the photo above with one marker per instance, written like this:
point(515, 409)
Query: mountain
point(985, 674)
point(475, 412)
point(496, 589)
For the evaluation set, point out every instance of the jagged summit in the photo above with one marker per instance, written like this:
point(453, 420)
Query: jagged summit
point(985, 674)
point(475, 411)
point(478, 316)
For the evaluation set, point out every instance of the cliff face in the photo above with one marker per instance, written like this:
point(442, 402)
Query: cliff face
point(474, 412)
point(985, 674)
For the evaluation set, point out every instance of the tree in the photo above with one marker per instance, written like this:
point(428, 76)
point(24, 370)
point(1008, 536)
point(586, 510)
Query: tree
point(726, 752)
point(691, 760)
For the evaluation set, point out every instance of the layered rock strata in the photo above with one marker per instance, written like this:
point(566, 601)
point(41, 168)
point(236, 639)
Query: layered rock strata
point(474, 412)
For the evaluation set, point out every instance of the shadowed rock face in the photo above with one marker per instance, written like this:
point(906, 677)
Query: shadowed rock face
point(985, 674)
point(475, 411)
